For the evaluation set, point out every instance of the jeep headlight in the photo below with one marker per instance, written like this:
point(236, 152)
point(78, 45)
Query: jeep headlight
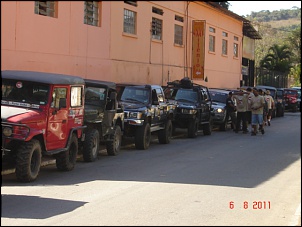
point(218, 110)
point(7, 131)
point(188, 111)
point(135, 115)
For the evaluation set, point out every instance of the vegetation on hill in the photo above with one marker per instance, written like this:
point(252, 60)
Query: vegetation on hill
point(280, 46)
point(280, 31)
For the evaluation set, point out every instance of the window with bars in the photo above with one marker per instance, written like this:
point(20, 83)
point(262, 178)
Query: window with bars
point(224, 47)
point(157, 28)
point(211, 43)
point(129, 21)
point(212, 29)
point(133, 3)
point(91, 13)
point(179, 18)
point(178, 34)
point(236, 50)
point(157, 11)
point(45, 8)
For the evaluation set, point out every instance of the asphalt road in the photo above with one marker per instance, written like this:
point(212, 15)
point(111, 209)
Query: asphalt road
point(221, 179)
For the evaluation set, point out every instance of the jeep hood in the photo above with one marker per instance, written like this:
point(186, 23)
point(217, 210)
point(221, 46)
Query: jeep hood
point(17, 114)
point(218, 105)
point(132, 105)
point(186, 105)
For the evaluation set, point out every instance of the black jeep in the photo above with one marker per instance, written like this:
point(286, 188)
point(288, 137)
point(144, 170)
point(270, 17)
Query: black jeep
point(193, 110)
point(146, 111)
point(103, 117)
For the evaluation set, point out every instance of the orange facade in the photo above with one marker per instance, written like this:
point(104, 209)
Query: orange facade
point(65, 44)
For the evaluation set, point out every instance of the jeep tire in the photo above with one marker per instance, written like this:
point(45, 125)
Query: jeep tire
point(165, 135)
point(28, 161)
point(193, 128)
point(91, 145)
point(143, 137)
point(223, 126)
point(113, 147)
point(207, 128)
point(65, 161)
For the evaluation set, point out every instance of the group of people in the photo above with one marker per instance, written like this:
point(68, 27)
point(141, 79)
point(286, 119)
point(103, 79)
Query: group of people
point(253, 106)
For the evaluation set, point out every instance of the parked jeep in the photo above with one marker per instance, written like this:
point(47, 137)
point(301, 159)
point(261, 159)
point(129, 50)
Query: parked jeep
point(193, 106)
point(219, 97)
point(291, 99)
point(104, 119)
point(281, 100)
point(41, 115)
point(146, 111)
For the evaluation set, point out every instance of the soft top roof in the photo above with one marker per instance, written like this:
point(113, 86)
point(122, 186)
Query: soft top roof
point(41, 77)
point(100, 83)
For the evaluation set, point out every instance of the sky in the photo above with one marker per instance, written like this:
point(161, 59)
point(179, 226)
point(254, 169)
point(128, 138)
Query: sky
point(246, 7)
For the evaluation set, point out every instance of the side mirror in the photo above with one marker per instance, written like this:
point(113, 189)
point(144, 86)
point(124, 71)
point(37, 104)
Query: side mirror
point(62, 103)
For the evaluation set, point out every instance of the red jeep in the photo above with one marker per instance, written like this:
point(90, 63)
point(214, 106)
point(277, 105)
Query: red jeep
point(41, 114)
point(291, 99)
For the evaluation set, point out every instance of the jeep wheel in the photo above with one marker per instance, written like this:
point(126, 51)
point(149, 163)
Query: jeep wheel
point(193, 128)
point(113, 147)
point(165, 135)
point(143, 137)
point(207, 128)
point(223, 126)
point(28, 161)
point(65, 161)
point(295, 108)
point(91, 146)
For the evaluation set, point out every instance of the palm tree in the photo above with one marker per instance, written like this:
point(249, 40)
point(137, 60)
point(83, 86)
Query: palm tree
point(277, 59)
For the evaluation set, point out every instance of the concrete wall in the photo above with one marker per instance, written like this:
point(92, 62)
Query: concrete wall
point(66, 45)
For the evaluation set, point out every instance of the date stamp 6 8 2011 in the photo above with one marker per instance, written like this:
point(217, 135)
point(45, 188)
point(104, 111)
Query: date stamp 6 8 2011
point(255, 205)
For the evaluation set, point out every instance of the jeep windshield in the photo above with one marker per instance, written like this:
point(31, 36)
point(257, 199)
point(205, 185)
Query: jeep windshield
point(95, 96)
point(135, 94)
point(218, 97)
point(186, 95)
point(24, 93)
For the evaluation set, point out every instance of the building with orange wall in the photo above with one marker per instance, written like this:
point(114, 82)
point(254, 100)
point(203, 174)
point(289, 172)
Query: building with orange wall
point(123, 41)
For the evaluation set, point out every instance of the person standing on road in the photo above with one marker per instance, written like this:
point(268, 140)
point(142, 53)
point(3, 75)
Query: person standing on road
point(265, 109)
point(257, 104)
point(231, 110)
point(249, 110)
point(242, 103)
point(270, 103)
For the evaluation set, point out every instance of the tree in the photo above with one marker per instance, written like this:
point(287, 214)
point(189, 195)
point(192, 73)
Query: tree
point(294, 40)
point(277, 59)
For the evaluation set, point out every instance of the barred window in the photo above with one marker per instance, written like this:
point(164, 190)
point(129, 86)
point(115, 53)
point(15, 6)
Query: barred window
point(178, 34)
point(157, 11)
point(212, 29)
point(129, 21)
point(133, 3)
point(224, 47)
point(91, 13)
point(156, 28)
point(236, 50)
point(45, 8)
point(179, 18)
point(212, 43)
